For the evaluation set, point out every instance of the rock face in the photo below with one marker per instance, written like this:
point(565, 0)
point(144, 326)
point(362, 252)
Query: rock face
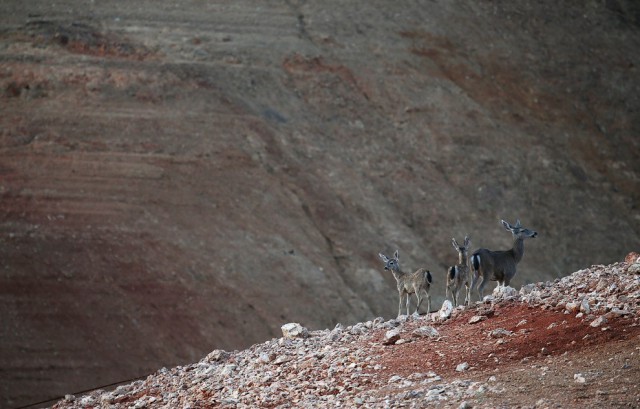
point(178, 177)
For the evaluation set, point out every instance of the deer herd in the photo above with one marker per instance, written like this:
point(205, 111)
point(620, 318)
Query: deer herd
point(471, 272)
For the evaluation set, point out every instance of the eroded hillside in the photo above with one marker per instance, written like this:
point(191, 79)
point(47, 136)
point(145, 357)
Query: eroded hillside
point(177, 177)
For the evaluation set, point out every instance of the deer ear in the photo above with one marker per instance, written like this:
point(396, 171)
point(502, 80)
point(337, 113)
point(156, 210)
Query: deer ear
point(383, 257)
point(395, 255)
point(455, 243)
point(467, 241)
point(518, 223)
point(506, 225)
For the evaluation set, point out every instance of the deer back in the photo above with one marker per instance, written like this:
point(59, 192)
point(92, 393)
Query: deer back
point(421, 279)
point(495, 265)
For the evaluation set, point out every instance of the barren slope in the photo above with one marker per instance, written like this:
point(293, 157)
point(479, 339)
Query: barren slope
point(572, 343)
point(193, 175)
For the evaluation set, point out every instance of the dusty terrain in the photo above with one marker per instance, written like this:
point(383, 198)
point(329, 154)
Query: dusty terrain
point(180, 176)
point(572, 343)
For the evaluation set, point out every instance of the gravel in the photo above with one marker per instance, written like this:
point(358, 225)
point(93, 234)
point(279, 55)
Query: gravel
point(339, 367)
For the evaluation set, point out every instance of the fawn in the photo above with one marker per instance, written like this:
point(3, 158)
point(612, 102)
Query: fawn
point(458, 275)
point(417, 283)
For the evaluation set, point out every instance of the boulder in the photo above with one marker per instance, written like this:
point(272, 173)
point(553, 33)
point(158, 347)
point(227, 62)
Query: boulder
point(294, 330)
point(445, 310)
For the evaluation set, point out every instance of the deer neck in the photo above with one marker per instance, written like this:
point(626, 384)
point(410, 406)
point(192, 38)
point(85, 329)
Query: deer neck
point(462, 258)
point(518, 249)
point(398, 274)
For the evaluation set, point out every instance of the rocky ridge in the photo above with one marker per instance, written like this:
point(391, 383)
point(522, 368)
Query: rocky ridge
point(375, 364)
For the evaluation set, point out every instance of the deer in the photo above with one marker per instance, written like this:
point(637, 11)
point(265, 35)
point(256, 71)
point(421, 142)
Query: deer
point(499, 265)
point(458, 275)
point(418, 282)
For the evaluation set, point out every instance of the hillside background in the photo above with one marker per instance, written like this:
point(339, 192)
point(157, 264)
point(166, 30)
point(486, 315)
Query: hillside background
point(181, 176)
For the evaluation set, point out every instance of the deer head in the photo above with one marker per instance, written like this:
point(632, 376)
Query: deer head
point(392, 264)
point(518, 231)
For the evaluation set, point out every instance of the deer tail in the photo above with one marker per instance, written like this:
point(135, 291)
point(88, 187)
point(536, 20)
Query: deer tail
point(475, 262)
point(427, 276)
point(452, 272)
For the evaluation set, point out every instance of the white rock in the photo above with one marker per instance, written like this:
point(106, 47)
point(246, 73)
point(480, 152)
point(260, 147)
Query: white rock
point(462, 367)
point(585, 307)
point(121, 390)
point(445, 310)
point(216, 355)
point(602, 284)
point(477, 318)
point(391, 336)
point(87, 401)
point(504, 292)
point(265, 358)
point(579, 378)
point(617, 311)
point(426, 332)
point(140, 404)
point(228, 370)
point(500, 333)
point(294, 330)
point(527, 289)
point(205, 370)
point(598, 322)
point(572, 307)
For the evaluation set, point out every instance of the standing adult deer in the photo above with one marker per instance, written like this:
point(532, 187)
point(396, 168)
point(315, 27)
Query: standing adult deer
point(416, 283)
point(458, 275)
point(499, 265)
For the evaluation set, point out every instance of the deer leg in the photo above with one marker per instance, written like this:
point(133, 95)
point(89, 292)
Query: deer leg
point(420, 296)
point(467, 297)
point(474, 282)
point(408, 303)
point(481, 287)
point(400, 303)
